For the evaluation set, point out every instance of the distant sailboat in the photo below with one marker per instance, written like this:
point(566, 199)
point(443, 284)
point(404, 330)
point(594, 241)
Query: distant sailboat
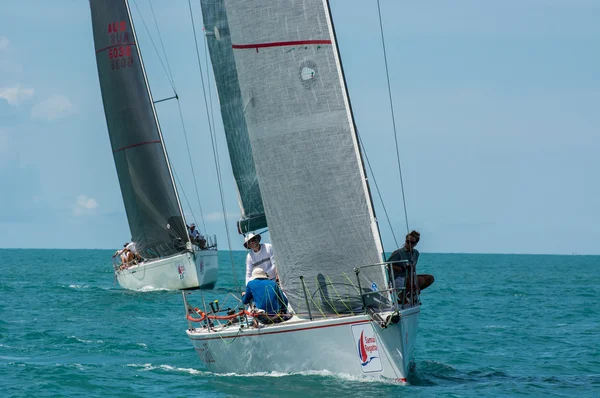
point(282, 90)
point(169, 259)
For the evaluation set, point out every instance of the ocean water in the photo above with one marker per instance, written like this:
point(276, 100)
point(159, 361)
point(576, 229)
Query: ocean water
point(490, 325)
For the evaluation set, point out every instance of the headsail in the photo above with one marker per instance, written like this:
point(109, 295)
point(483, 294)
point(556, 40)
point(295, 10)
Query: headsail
point(151, 202)
point(305, 149)
point(232, 111)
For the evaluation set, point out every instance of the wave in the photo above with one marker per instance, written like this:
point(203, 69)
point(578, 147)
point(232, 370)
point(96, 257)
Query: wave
point(169, 368)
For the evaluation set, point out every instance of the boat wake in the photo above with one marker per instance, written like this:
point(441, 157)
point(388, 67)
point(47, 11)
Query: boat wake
point(433, 373)
point(318, 373)
point(152, 289)
point(168, 368)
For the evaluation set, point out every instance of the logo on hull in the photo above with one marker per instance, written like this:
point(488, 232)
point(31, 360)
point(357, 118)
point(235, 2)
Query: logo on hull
point(366, 345)
point(181, 271)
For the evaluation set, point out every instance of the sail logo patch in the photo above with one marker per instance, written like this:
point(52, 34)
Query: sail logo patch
point(367, 348)
point(308, 73)
point(181, 271)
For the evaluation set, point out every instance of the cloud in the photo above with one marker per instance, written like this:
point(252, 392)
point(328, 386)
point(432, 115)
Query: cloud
point(55, 107)
point(84, 205)
point(4, 43)
point(15, 95)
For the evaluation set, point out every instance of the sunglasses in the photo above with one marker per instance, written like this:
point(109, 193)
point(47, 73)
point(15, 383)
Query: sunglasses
point(253, 240)
point(412, 242)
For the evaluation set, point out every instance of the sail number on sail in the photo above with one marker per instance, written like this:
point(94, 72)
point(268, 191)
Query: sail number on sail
point(119, 52)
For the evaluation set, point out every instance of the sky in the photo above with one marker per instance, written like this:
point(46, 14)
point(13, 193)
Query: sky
point(496, 111)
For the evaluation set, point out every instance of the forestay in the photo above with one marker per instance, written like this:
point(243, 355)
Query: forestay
point(151, 203)
point(232, 112)
point(308, 163)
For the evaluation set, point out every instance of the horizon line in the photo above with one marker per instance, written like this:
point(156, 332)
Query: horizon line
point(421, 252)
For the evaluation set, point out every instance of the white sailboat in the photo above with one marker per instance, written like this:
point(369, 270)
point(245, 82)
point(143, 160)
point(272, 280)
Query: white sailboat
point(283, 94)
point(168, 260)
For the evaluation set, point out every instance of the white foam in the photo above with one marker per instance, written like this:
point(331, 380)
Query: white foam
point(169, 368)
point(86, 341)
point(320, 373)
point(79, 286)
point(152, 289)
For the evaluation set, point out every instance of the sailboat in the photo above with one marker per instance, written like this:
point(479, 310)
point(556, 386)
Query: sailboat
point(287, 116)
point(167, 257)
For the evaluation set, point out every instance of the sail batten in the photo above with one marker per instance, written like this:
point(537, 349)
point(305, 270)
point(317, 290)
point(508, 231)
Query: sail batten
point(149, 194)
point(305, 151)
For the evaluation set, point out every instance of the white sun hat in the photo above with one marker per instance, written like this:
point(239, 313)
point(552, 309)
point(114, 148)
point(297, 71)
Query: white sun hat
point(259, 273)
point(249, 237)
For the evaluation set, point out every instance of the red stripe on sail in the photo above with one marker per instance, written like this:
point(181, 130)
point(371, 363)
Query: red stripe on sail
point(138, 144)
point(281, 44)
point(115, 45)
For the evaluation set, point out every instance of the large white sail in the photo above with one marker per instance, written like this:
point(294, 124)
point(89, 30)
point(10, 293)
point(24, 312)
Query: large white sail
point(305, 149)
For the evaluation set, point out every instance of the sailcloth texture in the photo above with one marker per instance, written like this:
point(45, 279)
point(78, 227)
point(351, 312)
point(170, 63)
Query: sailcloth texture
point(232, 112)
point(151, 203)
point(304, 146)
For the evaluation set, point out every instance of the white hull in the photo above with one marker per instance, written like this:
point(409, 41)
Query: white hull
point(182, 271)
point(332, 344)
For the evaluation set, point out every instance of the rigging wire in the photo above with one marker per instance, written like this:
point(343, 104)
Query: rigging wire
point(172, 82)
point(364, 150)
point(184, 195)
point(161, 42)
point(154, 45)
point(213, 142)
point(206, 55)
point(212, 113)
point(393, 117)
point(192, 166)
point(182, 124)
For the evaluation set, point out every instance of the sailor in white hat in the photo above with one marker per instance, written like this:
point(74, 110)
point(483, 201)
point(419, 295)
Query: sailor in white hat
point(269, 300)
point(195, 236)
point(260, 255)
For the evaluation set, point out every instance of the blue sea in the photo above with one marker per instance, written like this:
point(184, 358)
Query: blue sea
point(490, 325)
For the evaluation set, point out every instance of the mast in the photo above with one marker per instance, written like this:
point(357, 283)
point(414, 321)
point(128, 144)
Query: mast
point(162, 142)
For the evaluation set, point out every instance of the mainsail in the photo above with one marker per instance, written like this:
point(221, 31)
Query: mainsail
point(232, 112)
point(305, 149)
point(153, 209)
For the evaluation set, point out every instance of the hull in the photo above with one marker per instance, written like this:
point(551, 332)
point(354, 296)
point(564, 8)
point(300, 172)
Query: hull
point(182, 271)
point(354, 345)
